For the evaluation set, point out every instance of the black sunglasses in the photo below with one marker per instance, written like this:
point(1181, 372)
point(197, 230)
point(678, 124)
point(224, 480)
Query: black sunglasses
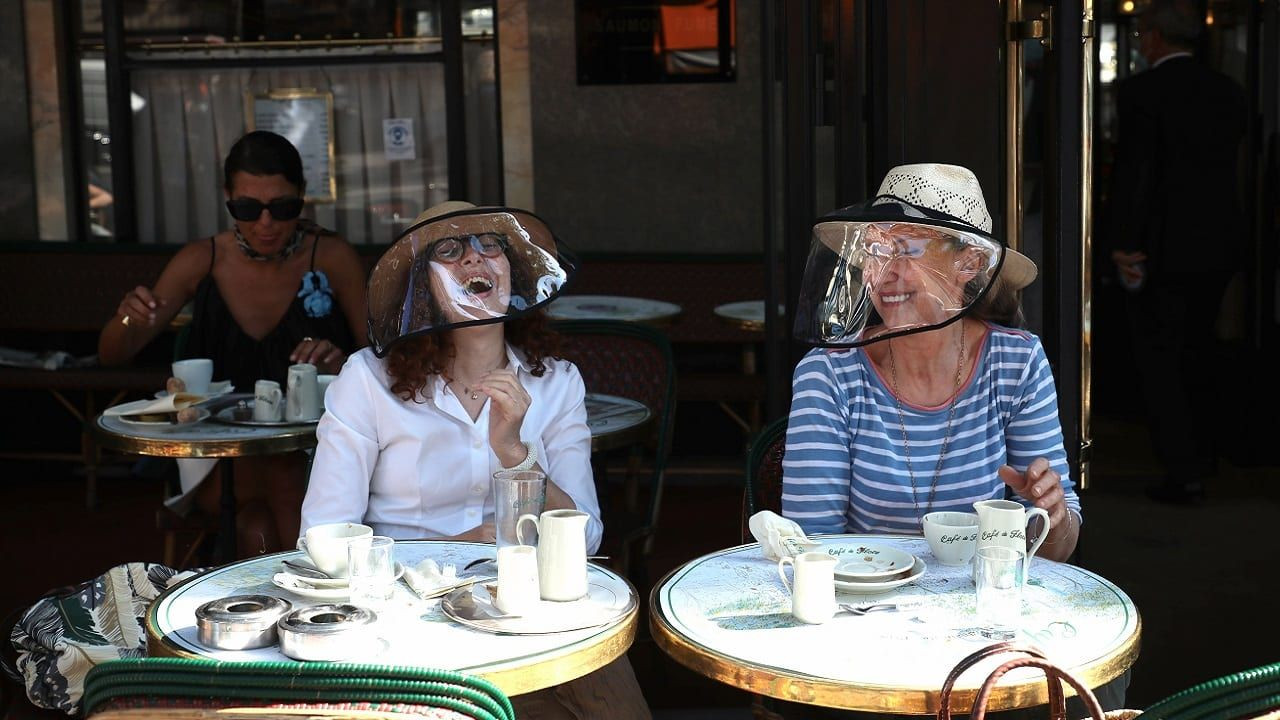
point(451, 249)
point(249, 209)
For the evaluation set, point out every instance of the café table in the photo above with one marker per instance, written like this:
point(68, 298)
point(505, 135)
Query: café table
point(208, 439)
point(616, 421)
point(411, 631)
point(727, 616)
point(746, 315)
point(613, 307)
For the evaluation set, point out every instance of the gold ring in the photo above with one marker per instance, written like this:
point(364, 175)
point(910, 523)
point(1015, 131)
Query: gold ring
point(125, 321)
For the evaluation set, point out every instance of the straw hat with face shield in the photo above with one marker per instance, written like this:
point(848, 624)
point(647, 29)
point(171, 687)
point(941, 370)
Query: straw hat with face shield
point(916, 257)
point(460, 265)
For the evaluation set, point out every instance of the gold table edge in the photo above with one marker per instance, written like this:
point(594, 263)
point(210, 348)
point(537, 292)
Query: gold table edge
point(604, 649)
point(794, 687)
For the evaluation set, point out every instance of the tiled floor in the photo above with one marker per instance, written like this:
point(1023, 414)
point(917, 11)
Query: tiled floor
point(1204, 578)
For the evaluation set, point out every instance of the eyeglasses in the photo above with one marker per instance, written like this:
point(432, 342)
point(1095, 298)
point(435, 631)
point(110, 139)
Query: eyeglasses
point(249, 209)
point(890, 240)
point(451, 249)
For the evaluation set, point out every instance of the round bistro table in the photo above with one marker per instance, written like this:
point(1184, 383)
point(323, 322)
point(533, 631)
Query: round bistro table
point(727, 616)
point(412, 631)
point(613, 307)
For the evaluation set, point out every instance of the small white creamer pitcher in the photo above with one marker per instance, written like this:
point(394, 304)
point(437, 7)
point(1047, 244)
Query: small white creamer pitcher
point(562, 552)
point(1003, 523)
point(302, 401)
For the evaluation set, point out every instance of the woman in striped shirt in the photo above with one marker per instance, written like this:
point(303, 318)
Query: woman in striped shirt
point(921, 398)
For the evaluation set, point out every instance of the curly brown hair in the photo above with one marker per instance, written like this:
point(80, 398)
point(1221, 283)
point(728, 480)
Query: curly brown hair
point(412, 362)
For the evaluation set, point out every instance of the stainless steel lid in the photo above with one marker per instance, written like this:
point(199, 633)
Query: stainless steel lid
point(326, 632)
point(240, 622)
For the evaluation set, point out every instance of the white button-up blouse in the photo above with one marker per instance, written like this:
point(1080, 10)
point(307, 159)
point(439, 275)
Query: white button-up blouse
point(422, 469)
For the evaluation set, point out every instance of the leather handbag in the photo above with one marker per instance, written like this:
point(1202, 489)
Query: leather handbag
point(1031, 657)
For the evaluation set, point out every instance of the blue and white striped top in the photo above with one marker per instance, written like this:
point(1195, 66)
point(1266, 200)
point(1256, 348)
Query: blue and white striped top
point(845, 470)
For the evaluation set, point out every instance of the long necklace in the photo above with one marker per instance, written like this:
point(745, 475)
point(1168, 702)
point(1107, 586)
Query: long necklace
point(946, 440)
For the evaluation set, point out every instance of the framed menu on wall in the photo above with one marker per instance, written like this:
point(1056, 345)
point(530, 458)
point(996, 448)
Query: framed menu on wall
point(305, 117)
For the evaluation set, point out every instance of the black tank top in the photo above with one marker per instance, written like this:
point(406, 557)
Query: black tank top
point(240, 358)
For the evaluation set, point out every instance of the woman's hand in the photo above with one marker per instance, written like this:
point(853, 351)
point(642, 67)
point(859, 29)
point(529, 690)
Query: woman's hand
point(509, 403)
point(326, 356)
point(1040, 485)
point(138, 308)
point(485, 533)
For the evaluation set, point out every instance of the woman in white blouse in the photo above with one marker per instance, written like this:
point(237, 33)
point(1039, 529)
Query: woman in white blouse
point(459, 382)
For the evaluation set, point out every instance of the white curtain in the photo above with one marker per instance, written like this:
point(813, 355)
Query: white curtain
point(191, 118)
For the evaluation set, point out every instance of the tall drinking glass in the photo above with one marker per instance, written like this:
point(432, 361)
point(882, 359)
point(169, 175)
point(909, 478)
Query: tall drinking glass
point(999, 573)
point(516, 493)
point(371, 562)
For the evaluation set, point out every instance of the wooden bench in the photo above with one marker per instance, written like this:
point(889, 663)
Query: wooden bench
point(56, 298)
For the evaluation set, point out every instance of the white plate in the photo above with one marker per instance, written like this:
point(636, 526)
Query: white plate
point(873, 563)
point(227, 415)
point(473, 607)
point(316, 589)
point(875, 588)
point(221, 387)
point(201, 414)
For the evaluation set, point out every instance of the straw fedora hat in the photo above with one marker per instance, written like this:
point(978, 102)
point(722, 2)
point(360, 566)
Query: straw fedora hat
point(954, 190)
point(444, 208)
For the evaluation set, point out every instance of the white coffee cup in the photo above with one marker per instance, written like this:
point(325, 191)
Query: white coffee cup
point(562, 552)
point(267, 401)
point(195, 373)
point(322, 381)
point(813, 596)
point(326, 545)
point(302, 400)
point(517, 579)
point(952, 536)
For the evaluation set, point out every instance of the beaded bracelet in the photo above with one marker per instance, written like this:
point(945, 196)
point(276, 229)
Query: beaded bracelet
point(530, 458)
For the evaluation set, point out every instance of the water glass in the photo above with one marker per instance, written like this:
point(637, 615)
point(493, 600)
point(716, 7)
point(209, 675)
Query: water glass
point(999, 574)
point(516, 493)
point(371, 562)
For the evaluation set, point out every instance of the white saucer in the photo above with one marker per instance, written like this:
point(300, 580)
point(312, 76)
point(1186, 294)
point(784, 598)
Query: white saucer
point(875, 588)
point(317, 589)
point(220, 387)
point(163, 425)
point(874, 564)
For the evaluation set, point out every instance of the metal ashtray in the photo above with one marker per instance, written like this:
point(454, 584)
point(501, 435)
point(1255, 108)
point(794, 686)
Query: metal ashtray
point(326, 632)
point(240, 622)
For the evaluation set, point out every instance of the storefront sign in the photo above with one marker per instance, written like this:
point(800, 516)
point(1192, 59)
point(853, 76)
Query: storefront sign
point(305, 118)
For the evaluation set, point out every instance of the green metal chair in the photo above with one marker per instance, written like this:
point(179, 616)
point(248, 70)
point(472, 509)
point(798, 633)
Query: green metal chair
point(1245, 694)
point(114, 688)
point(763, 488)
point(633, 361)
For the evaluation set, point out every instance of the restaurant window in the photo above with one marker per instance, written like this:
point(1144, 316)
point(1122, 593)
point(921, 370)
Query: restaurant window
point(362, 88)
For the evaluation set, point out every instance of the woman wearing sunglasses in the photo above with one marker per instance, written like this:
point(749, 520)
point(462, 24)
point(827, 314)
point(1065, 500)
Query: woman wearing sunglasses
point(272, 290)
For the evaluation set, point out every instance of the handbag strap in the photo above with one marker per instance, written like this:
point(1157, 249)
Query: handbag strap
point(1056, 701)
point(1054, 675)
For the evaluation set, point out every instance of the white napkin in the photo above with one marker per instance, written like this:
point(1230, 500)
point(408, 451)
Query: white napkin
point(429, 578)
point(167, 404)
point(778, 536)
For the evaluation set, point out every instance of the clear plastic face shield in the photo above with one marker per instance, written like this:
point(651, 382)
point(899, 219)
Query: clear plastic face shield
point(888, 268)
point(474, 267)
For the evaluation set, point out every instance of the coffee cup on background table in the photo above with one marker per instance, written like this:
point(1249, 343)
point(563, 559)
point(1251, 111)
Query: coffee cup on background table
point(326, 545)
point(195, 374)
point(952, 536)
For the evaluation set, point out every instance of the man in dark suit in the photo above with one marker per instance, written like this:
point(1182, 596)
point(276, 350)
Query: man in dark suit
point(1177, 234)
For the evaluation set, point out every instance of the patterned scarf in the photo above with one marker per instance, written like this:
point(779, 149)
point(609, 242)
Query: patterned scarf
point(286, 251)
